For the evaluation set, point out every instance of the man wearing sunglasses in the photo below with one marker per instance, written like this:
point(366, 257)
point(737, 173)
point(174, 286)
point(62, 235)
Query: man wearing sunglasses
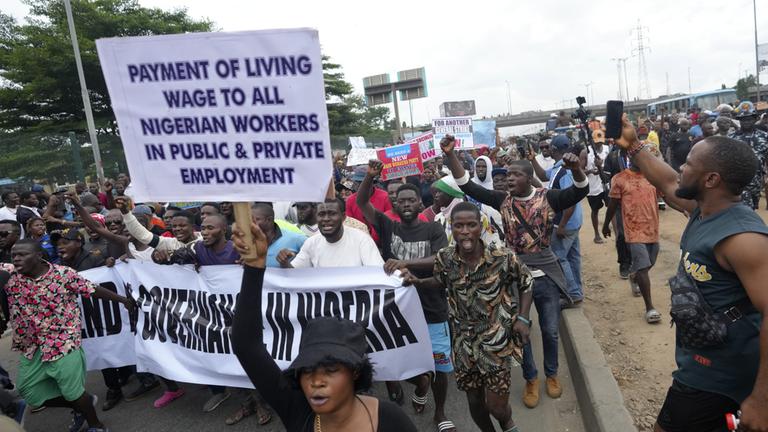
point(10, 230)
point(544, 158)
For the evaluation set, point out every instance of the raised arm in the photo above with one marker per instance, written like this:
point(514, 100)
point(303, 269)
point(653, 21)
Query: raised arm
point(141, 233)
point(540, 172)
point(51, 208)
point(92, 224)
point(656, 171)
point(485, 196)
point(248, 328)
point(364, 191)
point(108, 192)
point(561, 199)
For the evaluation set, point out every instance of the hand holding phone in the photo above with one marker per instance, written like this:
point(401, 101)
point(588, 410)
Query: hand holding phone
point(613, 112)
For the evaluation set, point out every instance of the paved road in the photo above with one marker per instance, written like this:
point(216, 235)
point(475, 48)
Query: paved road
point(185, 414)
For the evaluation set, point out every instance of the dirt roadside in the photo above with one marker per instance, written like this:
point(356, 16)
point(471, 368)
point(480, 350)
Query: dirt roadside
point(641, 356)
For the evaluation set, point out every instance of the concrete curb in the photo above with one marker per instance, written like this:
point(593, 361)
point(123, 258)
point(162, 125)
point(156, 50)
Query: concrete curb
point(600, 400)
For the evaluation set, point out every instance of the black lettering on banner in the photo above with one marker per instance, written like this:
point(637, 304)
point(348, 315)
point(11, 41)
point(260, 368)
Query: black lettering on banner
point(269, 313)
point(347, 301)
point(377, 324)
point(101, 317)
point(156, 295)
point(172, 324)
point(148, 331)
point(331, 306)
point(284, 326)
point(363, 308)
point(192, 319)
point(401, 331)
point(201, 321)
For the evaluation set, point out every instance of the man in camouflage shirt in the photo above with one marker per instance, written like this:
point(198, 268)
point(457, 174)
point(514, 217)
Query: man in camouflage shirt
point(758, 140)
point(485, 284)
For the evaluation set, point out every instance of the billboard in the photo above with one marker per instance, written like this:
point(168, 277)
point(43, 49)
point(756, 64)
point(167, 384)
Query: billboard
point(762, 56)
point(457, 109)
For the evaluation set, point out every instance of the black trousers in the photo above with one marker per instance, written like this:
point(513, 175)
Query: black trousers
point(114, 378)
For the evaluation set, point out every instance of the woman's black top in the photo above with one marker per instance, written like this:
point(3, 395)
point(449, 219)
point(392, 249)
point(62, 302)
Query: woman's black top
point(288, 401)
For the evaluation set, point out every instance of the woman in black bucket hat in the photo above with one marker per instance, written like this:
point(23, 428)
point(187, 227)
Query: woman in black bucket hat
point(319, 391)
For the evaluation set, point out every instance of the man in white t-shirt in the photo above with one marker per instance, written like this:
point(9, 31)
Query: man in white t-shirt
point(11, 201)
point(544, 158)
point(597, 196)
point(337, 246)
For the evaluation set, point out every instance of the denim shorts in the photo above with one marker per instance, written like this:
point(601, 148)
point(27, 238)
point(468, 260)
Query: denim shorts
point(440, 336)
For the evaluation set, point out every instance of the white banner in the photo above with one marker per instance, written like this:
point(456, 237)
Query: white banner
point(185, 318)
point(221, 116)
point(107, 335)
point(459, 127)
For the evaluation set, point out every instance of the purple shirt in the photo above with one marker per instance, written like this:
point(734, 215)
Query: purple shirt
point(207, 256)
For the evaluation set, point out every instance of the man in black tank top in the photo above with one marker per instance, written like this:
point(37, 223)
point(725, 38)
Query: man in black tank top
point(723, 253)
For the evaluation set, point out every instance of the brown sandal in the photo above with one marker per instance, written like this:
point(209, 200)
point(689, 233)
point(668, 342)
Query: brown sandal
point(265, 415)
point(244, 411)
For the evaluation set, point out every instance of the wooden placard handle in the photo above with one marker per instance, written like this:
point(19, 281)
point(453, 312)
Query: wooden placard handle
point(243, 221)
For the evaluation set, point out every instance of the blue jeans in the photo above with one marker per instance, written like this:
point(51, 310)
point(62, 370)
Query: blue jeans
point(546, 298)
point(569, 253)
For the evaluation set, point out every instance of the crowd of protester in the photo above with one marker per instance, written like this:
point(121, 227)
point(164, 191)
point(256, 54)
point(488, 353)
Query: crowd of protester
point(483, 235)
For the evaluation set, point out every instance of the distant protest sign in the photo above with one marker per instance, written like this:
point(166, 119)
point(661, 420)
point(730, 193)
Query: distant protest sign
point(357, 142)
point(484, 133)
point(427, 146)
point(402, 160)
point(358, 156)
point(459, 127)
point(221, 116)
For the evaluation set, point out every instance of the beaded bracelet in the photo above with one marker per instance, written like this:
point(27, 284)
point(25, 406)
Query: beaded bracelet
point(632, 152)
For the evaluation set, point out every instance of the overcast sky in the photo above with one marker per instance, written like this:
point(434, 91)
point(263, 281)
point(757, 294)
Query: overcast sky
point(546, 50)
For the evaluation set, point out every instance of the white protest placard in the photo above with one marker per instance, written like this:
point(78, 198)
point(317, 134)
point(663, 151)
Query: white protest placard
point(459, 127)
point(185, 319)
point(429, 148)
point(221, 116)
point(357, 142)
point(360, 156)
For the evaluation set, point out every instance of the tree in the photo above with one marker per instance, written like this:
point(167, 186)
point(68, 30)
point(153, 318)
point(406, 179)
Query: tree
point(41, 88)
point(40, 98)
point(347, 112)
point(743, 85)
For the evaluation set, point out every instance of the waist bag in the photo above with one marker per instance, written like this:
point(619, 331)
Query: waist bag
point(698, 325)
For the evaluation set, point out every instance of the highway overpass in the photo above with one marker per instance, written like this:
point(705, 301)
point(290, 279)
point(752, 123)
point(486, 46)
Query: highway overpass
point(542, 116)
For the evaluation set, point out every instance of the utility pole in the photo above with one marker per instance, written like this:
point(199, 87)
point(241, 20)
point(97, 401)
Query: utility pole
point(410, 109)
point(689, 81)
point(667, 73)
point(622, 84)
point(509, 99)
point(643, 85)
point(86, 99)
point(757, 57)
point(587, 88)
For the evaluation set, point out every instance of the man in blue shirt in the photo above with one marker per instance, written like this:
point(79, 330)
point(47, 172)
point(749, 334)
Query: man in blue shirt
point(565, 238)
point(278, 238)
